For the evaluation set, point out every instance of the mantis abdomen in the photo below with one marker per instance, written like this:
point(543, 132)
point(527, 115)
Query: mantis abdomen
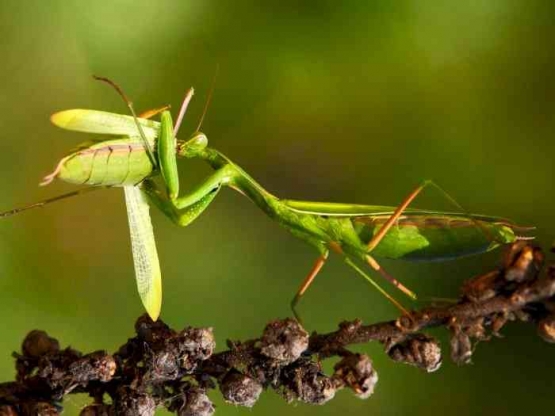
point(435, 237)
point(120, 162)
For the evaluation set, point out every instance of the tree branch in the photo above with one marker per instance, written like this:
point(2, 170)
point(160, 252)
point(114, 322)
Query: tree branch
point(175, 369)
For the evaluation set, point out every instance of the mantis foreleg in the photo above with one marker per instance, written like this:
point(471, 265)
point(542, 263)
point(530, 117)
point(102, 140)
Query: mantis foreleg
point(197, 201)
point(168, 168)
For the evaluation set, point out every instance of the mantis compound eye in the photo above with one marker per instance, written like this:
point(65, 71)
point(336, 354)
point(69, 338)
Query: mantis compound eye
point(198, 142)
point(192, 147)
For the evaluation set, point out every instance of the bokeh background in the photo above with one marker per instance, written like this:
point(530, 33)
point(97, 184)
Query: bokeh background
point(348, 101)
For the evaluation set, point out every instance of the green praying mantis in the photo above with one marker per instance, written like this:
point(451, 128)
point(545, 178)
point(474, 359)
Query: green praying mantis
point(133, 150)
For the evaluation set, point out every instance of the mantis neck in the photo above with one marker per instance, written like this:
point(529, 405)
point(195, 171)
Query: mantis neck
point(241, 181)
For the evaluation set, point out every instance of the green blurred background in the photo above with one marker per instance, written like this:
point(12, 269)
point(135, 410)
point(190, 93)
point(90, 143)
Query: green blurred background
point(349, 101)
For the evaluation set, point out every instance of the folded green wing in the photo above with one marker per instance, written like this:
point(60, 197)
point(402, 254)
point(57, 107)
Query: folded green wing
point(102, 122)
point(334, 209)
point(145, 256)
point(338, 209)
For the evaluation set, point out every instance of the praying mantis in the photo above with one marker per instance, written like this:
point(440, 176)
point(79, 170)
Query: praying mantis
point(133, 150)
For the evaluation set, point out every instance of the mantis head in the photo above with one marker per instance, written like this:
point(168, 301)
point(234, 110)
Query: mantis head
point(194, 146)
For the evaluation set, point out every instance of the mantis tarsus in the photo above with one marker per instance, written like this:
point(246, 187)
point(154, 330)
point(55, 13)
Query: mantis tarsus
point(142, 149)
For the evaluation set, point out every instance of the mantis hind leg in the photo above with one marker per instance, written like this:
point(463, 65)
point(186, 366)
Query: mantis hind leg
point(378, 237)
point(366, 277)
point(371, 261)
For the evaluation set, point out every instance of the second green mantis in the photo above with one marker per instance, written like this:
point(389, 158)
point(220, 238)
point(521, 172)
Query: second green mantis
point(131, 151)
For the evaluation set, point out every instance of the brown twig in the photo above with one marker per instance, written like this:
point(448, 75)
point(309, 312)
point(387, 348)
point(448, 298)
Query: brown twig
point(163, 367)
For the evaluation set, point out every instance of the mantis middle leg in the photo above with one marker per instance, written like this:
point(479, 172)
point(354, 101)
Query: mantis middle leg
point(320, 261)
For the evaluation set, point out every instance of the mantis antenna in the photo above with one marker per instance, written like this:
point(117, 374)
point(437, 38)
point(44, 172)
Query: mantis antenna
point(209, 99)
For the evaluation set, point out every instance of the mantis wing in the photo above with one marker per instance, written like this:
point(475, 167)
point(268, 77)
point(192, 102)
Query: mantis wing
point(333, 209)
point(145, 256)
point(102, 122)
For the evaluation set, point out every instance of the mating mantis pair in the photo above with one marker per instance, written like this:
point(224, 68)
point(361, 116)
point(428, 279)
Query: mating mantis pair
point(134, 150)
